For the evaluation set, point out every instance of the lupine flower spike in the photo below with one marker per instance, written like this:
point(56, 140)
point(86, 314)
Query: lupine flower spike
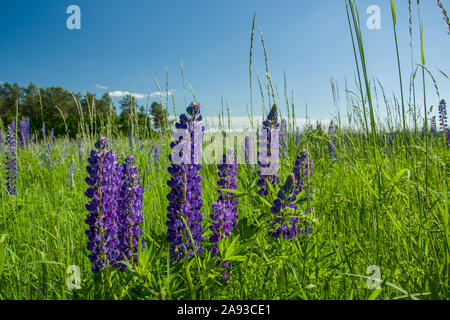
point(224, 209)
point(332, 143)
point(303, 172)
point(130, 207)
point(289, 221)
point(104, 182)
point(443, 115)
point(11, 161)
point(184, 216)
point(224, 212)
point(24, 132)
point(271, 163)
point(285, 222)
point(443, 120)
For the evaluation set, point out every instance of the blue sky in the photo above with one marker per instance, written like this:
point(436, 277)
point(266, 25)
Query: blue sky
point(122, 42)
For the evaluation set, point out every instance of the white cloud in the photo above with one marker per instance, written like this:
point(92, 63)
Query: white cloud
point(162, 94)
point(119, 93)
point(101, 87)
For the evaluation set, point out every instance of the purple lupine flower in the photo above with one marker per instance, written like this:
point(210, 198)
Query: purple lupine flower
point(43, 131)
point(226, 273)
point(52, 135)
point(270, 130)
point(224, 209)
point(443, 115)
point(130, 212)
point(104, 182)
point(28, 132)
point(11, 162)
point(303, 171)
point(332, 143)
point(185, 196)
point(285, 223)
point(23, 132)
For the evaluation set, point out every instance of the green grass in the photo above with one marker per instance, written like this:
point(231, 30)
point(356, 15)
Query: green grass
point(372, 207)
point(43, 231)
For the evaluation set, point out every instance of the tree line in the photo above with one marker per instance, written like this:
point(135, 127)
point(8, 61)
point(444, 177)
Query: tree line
point(70, 113)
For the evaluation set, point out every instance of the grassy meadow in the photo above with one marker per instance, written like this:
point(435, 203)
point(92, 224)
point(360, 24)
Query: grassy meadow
point(381, 201)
